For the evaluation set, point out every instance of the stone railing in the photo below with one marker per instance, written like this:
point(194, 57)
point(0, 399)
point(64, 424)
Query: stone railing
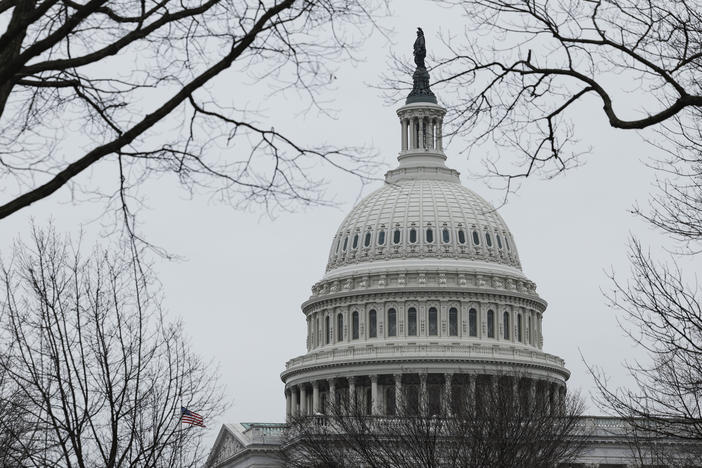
point(264, 433)
point(473, 351)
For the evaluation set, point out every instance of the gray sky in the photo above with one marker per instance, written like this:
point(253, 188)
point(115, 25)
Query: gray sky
point(244, 275)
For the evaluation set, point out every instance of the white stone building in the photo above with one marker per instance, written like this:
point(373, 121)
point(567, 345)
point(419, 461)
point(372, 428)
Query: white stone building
point(423, 297)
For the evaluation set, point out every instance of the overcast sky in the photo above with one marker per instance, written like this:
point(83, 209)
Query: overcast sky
point(244, 275)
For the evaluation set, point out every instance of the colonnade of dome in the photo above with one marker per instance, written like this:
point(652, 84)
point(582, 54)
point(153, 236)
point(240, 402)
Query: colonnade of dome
point(422, 393)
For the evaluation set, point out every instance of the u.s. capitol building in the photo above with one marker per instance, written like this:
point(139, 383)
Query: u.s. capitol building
point(423, 300)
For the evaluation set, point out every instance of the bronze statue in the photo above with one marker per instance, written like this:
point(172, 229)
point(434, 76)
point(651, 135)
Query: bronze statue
point(420, 49)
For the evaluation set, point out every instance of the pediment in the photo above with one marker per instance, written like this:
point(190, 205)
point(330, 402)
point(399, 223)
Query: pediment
point(226, 446)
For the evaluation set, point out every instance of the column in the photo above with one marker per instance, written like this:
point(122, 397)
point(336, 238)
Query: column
point(316, 406)
point(375, 408)
point(430, 134)
point(288, 405)
point(331, 405)
point(294, 406)
point(403, 127)
point(470, 404)
point(515, 390)
point(549, 398)
point(413, 132)
point(423, 394)
point(303, 400)
point(439, 135)
point(352, 393)
point(398, 394)
point(532, 394)
point(448, 394)
point(422, 144)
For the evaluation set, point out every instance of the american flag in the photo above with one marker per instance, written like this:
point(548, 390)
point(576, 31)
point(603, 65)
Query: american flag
point(190, 417)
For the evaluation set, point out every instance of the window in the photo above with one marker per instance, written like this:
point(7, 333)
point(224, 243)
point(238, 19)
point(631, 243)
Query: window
point(338, 244)
point(433, 322)
point(476, 238)
point(381, 238)
point(519, 328)
point(430, 235)
point(327, 335)
point(346, 242)
point(340, 327)
point(413, 235)
point(396, 236)
point(491, 324)
point(461, 236)
point(488, 239)
point(499, 241)
point(366, 241)
point(507, 244)
point(411, 321)
point(453, 321)
point(354, 325)
point(392, 322)
point(372, 324)
point(473, 322)
point(445, 236)
point(355, 241)
point(528, 330)
point(505, 320)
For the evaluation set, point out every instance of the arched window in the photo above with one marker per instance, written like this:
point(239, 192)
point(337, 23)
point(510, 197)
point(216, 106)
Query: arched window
point(505, 321)
point(476, 238)
point(519, 328)
point(396, 236)
point(413, 236)
point(445, 236)
point(327, 328)
point(381, 237)
point(453, 321)
point(346, 242)
point(507, 244)
point(461, 236)
point(366, 241)
point(433, 322)
point(488, 239)
point(340, 327)
point(372, 324)
point(355, 241)
point(354, 325)
point(338, 244)
point(499, 241)
point(392, 322)
point(430, 235)
point(411, 321)
point(473, 322)
point(491, 324)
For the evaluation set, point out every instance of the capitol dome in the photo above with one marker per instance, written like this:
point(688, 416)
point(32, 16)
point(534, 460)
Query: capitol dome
point(423, 217)
point(423, 295)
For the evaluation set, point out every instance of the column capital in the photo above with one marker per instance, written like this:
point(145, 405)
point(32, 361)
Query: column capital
point(315, 384)
point(398, 377)
point(351, 380)
point(373, 378)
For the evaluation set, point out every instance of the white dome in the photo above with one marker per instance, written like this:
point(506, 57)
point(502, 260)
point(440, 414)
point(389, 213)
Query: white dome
point(448, 220)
